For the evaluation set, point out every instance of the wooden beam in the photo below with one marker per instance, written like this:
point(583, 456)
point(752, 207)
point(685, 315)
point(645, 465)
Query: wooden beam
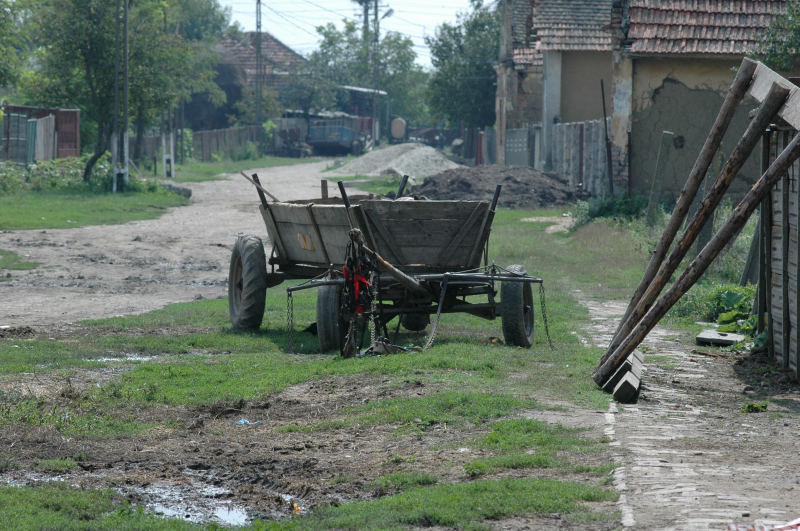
point(698, 266)
point(747, 143)
point(734, 97)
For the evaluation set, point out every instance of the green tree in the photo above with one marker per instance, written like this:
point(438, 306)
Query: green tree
point(345, 58)
point(462, 84)
point(75, 42)
point(8, 42)
point(780, 47)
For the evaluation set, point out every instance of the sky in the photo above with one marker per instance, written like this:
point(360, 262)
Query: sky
point(293, 22)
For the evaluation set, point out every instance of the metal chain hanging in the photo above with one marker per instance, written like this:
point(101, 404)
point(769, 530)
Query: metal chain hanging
point(290, 319)
point(544, 316)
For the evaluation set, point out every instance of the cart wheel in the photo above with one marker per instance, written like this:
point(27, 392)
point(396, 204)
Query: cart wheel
point(247, 283)
point(415, 322)
point(516, 310)
point(329, 322)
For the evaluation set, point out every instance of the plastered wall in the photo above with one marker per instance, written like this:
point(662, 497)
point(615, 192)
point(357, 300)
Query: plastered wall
point(581, 73)
point(682, 96)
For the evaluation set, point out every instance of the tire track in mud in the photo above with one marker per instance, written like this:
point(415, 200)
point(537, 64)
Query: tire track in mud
point(689, 458)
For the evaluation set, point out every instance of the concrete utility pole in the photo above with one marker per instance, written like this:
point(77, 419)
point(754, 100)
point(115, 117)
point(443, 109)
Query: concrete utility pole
point(259, 64)
point(376, 68)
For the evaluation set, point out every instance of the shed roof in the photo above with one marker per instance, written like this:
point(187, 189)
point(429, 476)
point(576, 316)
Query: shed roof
point(702, 27)
point(278, 58)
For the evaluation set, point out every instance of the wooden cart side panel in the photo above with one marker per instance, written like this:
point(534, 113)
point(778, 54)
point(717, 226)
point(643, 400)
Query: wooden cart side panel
point(297, 233)
point(333, 226)
point(422, 229)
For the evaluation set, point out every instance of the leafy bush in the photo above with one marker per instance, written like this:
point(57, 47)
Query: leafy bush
point(618, 206)
point(726, 304)
point(64, 174)
point(248, 151)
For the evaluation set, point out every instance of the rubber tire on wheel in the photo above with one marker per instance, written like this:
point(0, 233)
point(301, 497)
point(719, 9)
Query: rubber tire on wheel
point(416, 322)
point(247, 283)
point(329, 324)
point(516, 310)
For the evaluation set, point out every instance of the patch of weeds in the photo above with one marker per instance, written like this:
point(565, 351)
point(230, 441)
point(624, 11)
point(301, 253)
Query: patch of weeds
point(7, 461)
point(488, 465)
point(342, 478)
point(592, 470)
point(754, 407)
point(461, 505)
point(12, 261)
point(400, 481)
point(448, 407)
point(663, 362)
point(56, 466)
point(76, 419)
point(59, 506)
point(400, 459)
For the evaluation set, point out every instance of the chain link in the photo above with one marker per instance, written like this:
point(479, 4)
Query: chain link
point(290, 319)
point(544, 316)
point(435, 324)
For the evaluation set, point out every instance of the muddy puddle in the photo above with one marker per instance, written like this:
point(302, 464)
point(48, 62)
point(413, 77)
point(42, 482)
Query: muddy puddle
point(195, 500)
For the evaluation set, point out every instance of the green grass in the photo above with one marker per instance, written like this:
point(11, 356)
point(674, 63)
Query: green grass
point(193, 170)
point(59, 506)
point(69, 209)
point(10, 260)
point(55, 465)
point(546, 446)
point(400, 481)
point(461, 505)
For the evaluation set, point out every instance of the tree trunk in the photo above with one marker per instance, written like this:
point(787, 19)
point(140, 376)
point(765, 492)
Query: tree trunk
point(139, 126)
point(100, 147)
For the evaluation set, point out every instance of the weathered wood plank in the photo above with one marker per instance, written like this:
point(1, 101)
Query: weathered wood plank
point(388, 243)
point(763, 78)
point(274, 234)
point(467, 228)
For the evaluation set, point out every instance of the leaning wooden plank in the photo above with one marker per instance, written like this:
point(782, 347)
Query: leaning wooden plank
point(698, 266)
point(466, 228)
point(738, 157)
point(696, 175)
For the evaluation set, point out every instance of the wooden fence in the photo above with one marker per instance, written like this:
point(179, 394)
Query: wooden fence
point(224, 142)
point(579, 153)
point(780, 257)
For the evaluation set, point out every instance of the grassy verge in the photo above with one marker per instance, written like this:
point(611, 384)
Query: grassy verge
point(193, 170)
point(11, 261)
point(61, 209)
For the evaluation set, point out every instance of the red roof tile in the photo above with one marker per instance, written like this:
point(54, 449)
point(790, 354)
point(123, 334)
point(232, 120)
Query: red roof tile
point(573, 24)
point(278, 59)
point(719, 27)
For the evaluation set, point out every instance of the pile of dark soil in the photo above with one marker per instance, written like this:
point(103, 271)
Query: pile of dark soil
point(523, 187)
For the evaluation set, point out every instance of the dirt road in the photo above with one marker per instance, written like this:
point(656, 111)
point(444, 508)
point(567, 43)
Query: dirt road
point(101, 271)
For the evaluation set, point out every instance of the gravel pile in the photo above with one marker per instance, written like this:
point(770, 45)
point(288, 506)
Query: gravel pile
point(523, 187)
point(415, 160)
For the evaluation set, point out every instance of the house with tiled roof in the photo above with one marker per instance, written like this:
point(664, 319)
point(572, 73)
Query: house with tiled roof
point(666, 66)
point(279, 61)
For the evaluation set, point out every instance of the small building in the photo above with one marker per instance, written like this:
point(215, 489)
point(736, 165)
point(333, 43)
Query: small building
point(36, 133)
point(665, 66)
point(279, 62)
